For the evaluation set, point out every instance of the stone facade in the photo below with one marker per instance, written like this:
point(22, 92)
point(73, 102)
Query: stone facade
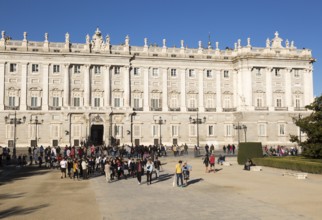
point(104, 93)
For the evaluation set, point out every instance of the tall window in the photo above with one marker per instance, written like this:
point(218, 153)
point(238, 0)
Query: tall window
point(209, 73)
point(137, 130)
point(173, 72)
point(34, 101)
point(259, 102)
point(13, 67)
point(136, 71)
point(297, 103)
point(278, 102)
point(117, 102)
point(97, 69)
point(55, 101)
point(258, 71)
point(228, 130)
point(277, 72)
point(174, 102)
point(97, 102)
point(296, 73)
point(136, 103)
point(192, 73)
point(34, 68)
point(211, 130)
point(227, 102)
point(155, 72)
point(281, 130)
point(117, 70)
point(261, 130)
point(56, 68)
point(192, 130)
point(76, 101)
point(12, 101)
point(155, 103)
point(118, 130)
point(175, 130)
point(155, 130)
point(55, 131)
point(77, 68)
point(192, 103)
point(226, 74)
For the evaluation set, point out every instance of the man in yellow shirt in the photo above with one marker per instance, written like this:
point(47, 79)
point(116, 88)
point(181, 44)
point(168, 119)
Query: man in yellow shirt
point(179, 173)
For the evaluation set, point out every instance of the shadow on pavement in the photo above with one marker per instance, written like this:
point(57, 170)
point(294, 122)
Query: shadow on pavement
point(11, 196)
point(11, 174)
point(18, 210)
point(164, 177)
point(193, 181)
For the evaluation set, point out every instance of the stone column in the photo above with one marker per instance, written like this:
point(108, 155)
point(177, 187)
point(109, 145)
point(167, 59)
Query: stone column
point(288, 88)
point(307, 87)
point(45, 85)
point(164, 73)
point(218, 91)
point(24, 72)
point(146, 89)
point(2, 89)
point(87, 86)
point(269, 92)
point(183, 105)
point(201, 106)
point(126, 85)
point(234, 76)
point(247, 89)
point(107, 86)
point(66, 85)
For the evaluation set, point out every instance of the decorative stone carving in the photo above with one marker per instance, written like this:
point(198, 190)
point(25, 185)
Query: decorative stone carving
point(164, 43)
point(277, 41)
point(24, 36)
point(97, 41)
point(268, 43)
point(67, 38)
point(248, 42)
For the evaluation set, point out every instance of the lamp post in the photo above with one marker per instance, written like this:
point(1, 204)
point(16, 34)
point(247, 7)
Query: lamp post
point(240, 127)
point(160, 122)
point(197, 121)
point(36, 122)
point(15, 121)
point(132, 115)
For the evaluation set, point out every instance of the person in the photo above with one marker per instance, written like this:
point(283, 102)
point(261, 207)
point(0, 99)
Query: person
point(206, 162)
point(107, 171)
point(139, 170)
point(75, 169)
point(63, 165)
point(149, 170)
point(186, 172)
point(248, 164)
point(84, 165)
point(221, 159)
point(212, 162)
point(157, 166)
point(178, 173)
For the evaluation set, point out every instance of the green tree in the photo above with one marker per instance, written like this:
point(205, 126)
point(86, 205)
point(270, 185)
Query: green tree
point(312, 127)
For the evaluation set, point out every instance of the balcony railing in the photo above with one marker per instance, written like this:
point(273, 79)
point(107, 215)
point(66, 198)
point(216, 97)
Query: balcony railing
point(155, 109)
point(54, 108)
point(229, 109)
point(261, 108)
point(174, 109)
point(11, 108)
point(210, 109)
point(300, 109)
point(138, 109)
point(192, 109)
point(33, 108)
point(281, 108)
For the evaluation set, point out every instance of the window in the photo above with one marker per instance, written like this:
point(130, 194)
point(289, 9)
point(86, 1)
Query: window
point(226, 74)
point(55, 131)
point(155, 72)
point(13, 67)
point(34, 101)
point(227, 103)
point(297, 103)
point(258, 71)
point(262, 130)
point(228, 130)
point(136, 103)
point(277, 72)
point(278, 102)
point(76, 130)
point(136, 71)
point(76, 101)
point(155, 103)
point(192, 103)
point(210, 102)
point(211, 130)
point(136, 130)
point(12, 101)
point(175, 130)
point(97, 102)
point(173, 72)
point(117, 102)
point(117, 70)
point(192, 73)
point(174, 103)
point(296, 73)
point(34, 68)
point(56, 68)
point(259, 102)
point(281, 130)
point(118, 130)
point(77, 69)
point(55, 101)
point(155, 130)
point(192, 130)
point(97, 69)
point(209, 73)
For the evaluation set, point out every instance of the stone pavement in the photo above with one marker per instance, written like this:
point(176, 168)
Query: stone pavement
point(230, 193)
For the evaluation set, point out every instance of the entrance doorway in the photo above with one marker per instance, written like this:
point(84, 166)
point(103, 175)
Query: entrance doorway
point(97, 132)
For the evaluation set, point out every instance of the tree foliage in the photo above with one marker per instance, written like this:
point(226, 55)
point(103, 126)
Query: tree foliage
point(312, 127)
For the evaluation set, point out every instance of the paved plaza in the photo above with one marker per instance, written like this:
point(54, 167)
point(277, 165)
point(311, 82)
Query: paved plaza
point(230, 193)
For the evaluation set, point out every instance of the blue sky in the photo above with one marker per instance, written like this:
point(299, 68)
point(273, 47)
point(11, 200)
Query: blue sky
point(226, 21)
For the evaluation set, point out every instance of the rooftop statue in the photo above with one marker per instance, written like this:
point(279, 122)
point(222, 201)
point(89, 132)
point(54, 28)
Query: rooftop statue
point(97, 41)
point(277, 41)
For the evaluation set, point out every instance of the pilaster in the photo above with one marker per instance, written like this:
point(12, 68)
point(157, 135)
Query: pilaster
point(201, 107)
point(218, 91)
point(183, 90)
point(126, 84)
point(288, 88)
point(164, 73)
point(107, 86)
point(268, 75)
point(87, 86)
point(24, 73)
point(2, 88)
point(66, 85)
point(45, 87)
point(146, 89)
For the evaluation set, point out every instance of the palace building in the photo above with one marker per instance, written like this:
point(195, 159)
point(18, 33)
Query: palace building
point(65, 93)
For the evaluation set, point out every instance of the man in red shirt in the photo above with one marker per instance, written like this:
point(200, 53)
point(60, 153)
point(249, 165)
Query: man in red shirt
point(212, 162)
